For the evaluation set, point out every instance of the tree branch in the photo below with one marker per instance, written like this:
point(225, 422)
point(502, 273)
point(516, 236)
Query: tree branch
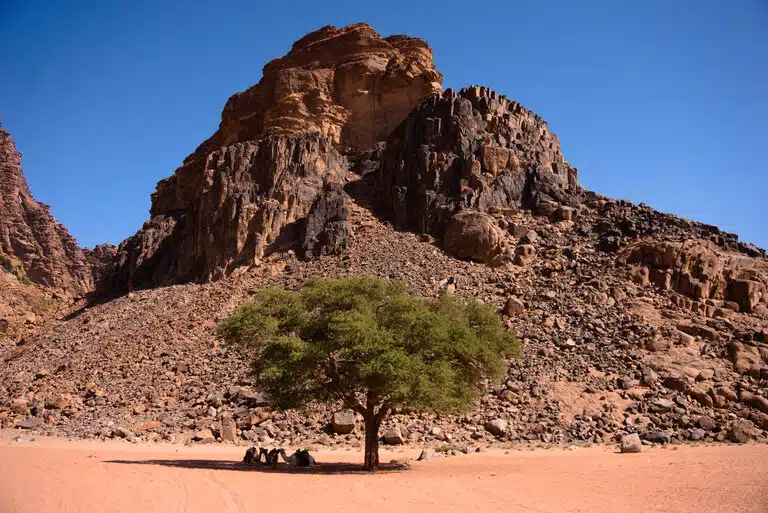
point(349, 400)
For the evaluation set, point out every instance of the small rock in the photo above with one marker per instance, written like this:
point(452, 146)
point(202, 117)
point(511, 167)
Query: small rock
point(650, 377)
point(20, 406)
point(513, 307)
point(697, 434)
point(30, 423)
point(427, 455)
point(122, 432)
point(662, 406)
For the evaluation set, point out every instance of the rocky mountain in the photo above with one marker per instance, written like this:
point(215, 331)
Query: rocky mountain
point(243, 191)
point(348, 159)
point(32, 242)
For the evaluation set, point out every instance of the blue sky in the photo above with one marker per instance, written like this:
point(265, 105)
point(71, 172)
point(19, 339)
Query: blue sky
point(663, 102)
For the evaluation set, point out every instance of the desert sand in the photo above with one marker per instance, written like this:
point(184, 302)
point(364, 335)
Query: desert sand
point(53, 475)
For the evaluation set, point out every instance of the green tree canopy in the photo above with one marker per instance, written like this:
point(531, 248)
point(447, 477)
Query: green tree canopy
point(369, 344)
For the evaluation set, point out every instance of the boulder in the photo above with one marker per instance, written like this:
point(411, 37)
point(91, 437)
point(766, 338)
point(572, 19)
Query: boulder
point(631, 443)
point(697, 434)
point(228, 430)
point(31, 423)
point(662, 406)
point(473, 235)
point(203, 436)
point(742, 431)
point(343, 422)
point(393, 436)
point(650, 378)
point(525, 254)
point(122, 432)
point(656, 437)
point(19, 406)
point(496, 427)
point(706, 423)
point(513, 307)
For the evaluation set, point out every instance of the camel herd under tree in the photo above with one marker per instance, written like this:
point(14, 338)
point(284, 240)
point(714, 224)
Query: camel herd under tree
point(300, 458)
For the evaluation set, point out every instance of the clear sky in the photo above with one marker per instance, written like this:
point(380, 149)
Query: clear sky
point(659, 101)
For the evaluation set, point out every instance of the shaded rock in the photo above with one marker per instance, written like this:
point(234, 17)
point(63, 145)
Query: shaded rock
point(656, 437)
point(343, 422)
point(325, 230)
point(697, 434)
point(471, 149)
point(742, 431)
point(705, 422)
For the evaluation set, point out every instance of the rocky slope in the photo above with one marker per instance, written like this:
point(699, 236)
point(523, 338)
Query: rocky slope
point(603, 354)
point(633, 320)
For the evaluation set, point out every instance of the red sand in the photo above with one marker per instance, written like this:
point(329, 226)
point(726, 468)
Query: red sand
point(50, 475)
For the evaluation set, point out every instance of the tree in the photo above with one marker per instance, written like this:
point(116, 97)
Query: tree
point(369, 344)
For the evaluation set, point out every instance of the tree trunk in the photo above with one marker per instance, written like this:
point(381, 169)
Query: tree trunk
point(371, 444)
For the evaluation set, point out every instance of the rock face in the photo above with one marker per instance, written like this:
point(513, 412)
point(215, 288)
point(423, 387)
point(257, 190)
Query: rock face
point(325, 230)
point(469, 150)
point(227, 209)
point(701, 271)
point(274, 159)
point(349, 84)
point(30, 238)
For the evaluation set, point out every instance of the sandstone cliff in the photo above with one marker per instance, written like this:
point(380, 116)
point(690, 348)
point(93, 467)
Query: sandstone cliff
point(349, 84)
point(249, 187)
point(227, 209)
point(30, 237)
point(469, 150)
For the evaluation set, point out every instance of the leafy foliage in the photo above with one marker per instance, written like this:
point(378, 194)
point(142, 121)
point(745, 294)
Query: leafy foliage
point(367, 338)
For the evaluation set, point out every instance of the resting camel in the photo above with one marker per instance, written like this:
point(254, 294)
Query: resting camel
point(300, 458)
point(252, 457)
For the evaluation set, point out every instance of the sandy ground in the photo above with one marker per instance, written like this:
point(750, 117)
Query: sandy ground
point(54, 475)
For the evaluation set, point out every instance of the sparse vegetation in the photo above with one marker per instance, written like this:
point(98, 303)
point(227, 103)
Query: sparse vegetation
point(447, 448)
point(8, 265)
point(369, 344)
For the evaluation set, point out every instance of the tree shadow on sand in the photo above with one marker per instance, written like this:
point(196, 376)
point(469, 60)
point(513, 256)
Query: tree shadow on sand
point(320, 468)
